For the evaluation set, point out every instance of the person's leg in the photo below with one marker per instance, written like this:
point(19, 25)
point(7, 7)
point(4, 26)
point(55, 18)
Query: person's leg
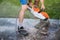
point(22, 11)
point(30, 3)
point(21, 15)
point(42, 4)
point(36, 3)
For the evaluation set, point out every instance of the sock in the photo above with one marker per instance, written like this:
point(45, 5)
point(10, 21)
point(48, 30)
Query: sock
point(20, 24)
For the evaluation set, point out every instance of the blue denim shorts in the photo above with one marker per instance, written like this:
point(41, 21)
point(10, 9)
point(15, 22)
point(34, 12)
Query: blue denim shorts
point(23, 2)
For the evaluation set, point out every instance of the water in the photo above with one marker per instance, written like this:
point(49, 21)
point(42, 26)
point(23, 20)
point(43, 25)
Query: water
point(8, 28)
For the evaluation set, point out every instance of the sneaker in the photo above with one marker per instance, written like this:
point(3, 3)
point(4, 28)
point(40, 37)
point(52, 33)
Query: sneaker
point(22, 31)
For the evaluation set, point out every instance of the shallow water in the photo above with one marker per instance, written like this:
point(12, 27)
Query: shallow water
point(8, 27)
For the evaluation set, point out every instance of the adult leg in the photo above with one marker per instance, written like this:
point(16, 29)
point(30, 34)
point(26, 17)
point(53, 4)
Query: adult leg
point(21, 15)
point(22, 11)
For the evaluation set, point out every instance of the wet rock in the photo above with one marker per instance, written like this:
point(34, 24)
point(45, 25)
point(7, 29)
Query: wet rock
point(57, 36)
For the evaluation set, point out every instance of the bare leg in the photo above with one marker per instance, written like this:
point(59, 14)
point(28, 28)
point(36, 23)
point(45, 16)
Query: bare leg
point(42, 4)
point(21, 17)
point(30, 3)
point(21, 14)
point(36, 3)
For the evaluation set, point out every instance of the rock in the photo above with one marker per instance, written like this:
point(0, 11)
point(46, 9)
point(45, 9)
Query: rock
point(57, 36)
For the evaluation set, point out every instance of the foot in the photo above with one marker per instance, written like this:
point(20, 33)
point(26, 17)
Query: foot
point(22, 31)
point(43, 32)
point(43, 7)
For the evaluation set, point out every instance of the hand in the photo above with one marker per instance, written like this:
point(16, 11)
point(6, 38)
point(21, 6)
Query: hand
point(43, 7)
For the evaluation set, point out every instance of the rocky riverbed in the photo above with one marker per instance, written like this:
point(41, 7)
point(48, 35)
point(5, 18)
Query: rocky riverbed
point(8, 29)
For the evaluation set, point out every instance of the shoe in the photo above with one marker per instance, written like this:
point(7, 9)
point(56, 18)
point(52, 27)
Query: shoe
point(22, 31)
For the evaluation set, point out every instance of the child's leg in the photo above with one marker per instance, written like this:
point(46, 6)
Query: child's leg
point(42, 4)
point(36, 3)
point(30, 3)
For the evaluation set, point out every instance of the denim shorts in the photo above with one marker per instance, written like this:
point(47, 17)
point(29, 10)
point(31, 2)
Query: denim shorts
point(23, 2)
